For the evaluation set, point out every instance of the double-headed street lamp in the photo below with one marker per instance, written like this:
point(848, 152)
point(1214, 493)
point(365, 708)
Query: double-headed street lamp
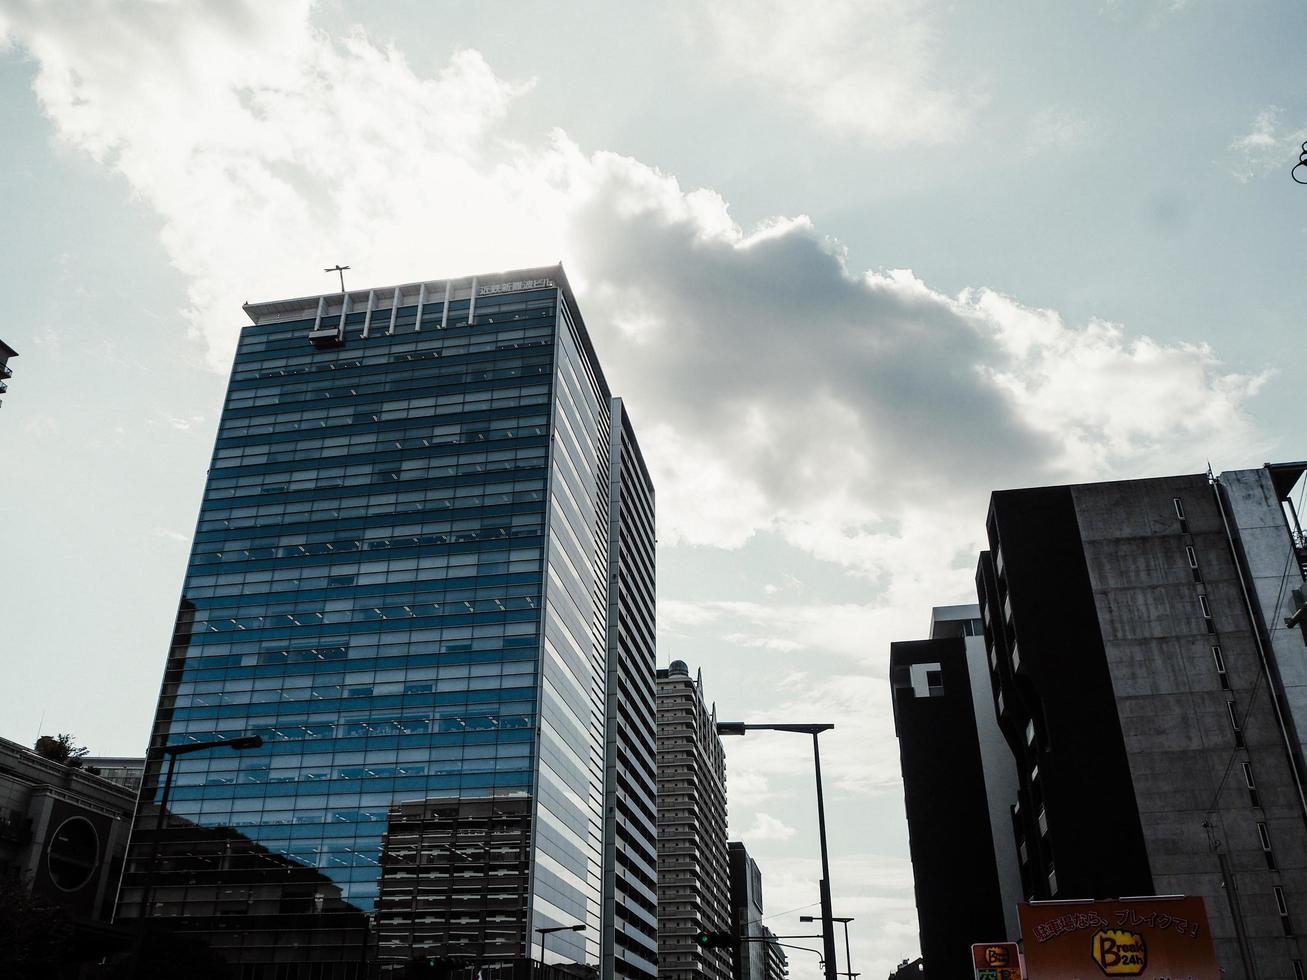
point(848, 957)
point(827, 919)
point(546, 931)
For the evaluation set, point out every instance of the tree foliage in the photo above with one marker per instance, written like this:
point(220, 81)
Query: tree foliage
point(63, 748)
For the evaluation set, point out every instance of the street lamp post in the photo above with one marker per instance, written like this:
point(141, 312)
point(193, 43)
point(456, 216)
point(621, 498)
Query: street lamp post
point(848, 957)
point(546, 931)
point(827, 919)
point(172, 751)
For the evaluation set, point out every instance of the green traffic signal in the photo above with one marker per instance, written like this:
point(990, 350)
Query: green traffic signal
point(714, 940)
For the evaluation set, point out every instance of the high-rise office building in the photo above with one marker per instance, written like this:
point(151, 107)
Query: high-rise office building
point(401, 581)
point(1153, 699)
point(693, 878)
point(758, 954)
point(629, 946)
point(959, 779)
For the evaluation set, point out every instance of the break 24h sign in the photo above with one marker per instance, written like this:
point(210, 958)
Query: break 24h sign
point(1147, 938)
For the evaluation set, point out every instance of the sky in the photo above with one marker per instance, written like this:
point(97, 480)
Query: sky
point(851, 265)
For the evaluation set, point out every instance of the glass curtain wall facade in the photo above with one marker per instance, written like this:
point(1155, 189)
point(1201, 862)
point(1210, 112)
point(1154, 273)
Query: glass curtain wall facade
point(400, 581)
point(630, 938)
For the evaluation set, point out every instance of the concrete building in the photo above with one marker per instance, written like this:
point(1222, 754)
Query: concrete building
point(126, 771)
point(63, 833)
point(401, 579)
point(693, 878)
point(757, 956)
point(1154, 700)
point(951, 749)
point(629, 946)
point(778, 964)
point(6, 372)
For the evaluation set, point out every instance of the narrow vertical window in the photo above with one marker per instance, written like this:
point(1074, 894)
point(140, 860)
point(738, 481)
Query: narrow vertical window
point(1219, 660)
point(1297, 971)
point(1264, 838)
point(1178, 504)
point(1193, 563)
point(1254, 798)
point(1234, 723)
point(1283, 908)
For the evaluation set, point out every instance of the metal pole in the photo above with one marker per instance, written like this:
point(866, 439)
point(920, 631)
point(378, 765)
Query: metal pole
point(167, 791)
point(827, 916)
point(848, 957)
point(147, 893)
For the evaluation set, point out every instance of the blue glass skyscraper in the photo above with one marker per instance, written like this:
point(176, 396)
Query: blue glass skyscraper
point(401, 581)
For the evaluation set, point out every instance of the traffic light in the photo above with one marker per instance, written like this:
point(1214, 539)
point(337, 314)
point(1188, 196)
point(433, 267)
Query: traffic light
point(713, 940)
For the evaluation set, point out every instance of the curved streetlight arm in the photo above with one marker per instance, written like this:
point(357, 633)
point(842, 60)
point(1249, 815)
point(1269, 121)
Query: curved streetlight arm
point(545, 931)
point(827, 919)
point(740, 728)
point(237, 744)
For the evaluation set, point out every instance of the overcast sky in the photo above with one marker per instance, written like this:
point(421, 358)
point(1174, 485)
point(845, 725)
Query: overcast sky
point(852, 265)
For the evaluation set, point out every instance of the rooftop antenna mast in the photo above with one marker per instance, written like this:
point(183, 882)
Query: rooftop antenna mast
point(341, 269)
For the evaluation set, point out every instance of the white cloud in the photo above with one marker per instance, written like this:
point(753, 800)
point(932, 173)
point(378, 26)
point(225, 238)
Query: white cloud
point(861, 416)
point(874, 889)
point(1057, 128)
point(1266, 147)
point(861, 68)
point(747, 788)
point(766, 827)
point(774, 388)
point(170, 535)
point(860, 756)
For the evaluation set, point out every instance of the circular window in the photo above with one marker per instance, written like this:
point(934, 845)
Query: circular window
point(73, 854)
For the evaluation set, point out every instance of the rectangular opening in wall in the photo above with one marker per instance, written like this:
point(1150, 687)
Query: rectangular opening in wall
point(1192, 556)
point(1233, 712)
point(1264, 838)
point(1219, 660)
